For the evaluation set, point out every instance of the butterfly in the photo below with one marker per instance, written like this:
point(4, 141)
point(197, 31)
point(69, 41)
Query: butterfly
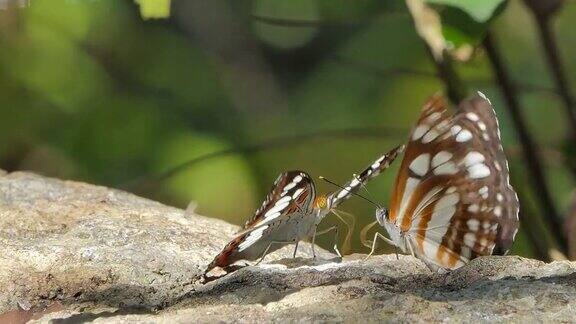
point(290, 213)
point(452, 200)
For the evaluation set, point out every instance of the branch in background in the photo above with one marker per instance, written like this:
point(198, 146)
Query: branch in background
point(306, 23)
point(147, 183)
point(455, 88)
point(284, 22)
point(429, 28)
point(378, 72)
point(544, 11)
point(528, 145)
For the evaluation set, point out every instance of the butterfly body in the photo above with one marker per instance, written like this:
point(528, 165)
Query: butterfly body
point(452, 200)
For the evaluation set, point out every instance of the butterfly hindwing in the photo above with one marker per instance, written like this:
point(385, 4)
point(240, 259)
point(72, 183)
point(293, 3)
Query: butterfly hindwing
point(452, 194)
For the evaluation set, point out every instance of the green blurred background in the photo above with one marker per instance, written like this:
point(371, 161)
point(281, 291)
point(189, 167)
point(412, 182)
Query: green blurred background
point(92, 91)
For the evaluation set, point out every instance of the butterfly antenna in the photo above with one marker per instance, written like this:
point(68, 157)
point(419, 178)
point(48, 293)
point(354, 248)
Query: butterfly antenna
point(363, 186)
point(352, 192)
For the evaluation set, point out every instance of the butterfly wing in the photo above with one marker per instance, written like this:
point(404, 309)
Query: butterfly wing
point(452, 195)
point(381, 164)
point(293, 192)
point(290, 191)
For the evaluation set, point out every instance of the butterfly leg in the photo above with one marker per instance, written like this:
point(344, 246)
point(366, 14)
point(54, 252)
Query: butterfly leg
point(330, 229)
point(314, 244)
point(268, 249)
point(295, 249)
point(346, 245)
point(374, 242)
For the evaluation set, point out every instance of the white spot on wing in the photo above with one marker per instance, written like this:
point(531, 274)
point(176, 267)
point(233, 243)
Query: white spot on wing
point(472, 116)
point(483, 192)
point(498, 211)
point(252, 237)
point(298, 192)
point(470, 239)
point(455, 129)
point(433, 117)
point(289, 186)
point(430, 136)
point(446, 168)
point(473, 224)
point(482, 126)
point(419, 131)
point(440, 158)
point(420, 164)
point(463, 136)
point(473, 208)
point(473, 158)
point(478, 171)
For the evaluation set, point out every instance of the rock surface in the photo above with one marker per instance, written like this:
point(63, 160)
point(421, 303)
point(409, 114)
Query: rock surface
point(96, 254)
point(70, 241)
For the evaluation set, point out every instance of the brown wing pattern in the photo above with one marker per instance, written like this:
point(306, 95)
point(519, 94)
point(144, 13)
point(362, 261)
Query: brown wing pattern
point(280, 197)
point(452, 195)
point(381, 164)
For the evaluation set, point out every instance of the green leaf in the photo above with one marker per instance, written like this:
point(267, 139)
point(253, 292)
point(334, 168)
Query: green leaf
point(480, 10)
point(154, 8)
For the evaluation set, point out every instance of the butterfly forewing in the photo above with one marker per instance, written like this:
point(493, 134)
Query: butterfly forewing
point(291, 191)
point(369, 173)
point(452, 196)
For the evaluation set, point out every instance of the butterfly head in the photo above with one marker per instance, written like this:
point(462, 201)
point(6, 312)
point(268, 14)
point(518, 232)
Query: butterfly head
point(382, 216)
point(322, 202)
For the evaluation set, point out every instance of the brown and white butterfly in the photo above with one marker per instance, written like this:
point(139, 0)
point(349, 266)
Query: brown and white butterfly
point(452, 200)
point(290, 213)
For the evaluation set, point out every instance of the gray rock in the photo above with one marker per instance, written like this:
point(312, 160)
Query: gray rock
point(73, 242)
point(106, 256)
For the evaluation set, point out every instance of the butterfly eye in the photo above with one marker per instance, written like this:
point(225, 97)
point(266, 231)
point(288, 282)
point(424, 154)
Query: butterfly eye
point(382, 215)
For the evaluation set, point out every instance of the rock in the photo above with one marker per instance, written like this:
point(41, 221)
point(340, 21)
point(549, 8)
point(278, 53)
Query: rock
point(65, 241)
point(96, 254)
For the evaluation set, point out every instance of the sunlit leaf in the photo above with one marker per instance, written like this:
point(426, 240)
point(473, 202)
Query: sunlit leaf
point(154, 8)
point(428, 26)
point(479, 10)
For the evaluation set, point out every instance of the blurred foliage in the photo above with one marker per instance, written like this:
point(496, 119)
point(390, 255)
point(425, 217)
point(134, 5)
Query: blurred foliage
point(154, 8)
point(90, 90)
point(481, 11)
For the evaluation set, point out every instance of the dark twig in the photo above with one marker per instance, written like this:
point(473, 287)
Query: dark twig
point(528, 145)
point(144, 184)
point(552, 55)
point(379, 72)
point(284, 22)
point(556, 67)
point(290, 22)
point(455, 88)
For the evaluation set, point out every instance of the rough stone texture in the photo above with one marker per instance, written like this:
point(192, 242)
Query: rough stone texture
point(101, 252)
point(69, 241)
